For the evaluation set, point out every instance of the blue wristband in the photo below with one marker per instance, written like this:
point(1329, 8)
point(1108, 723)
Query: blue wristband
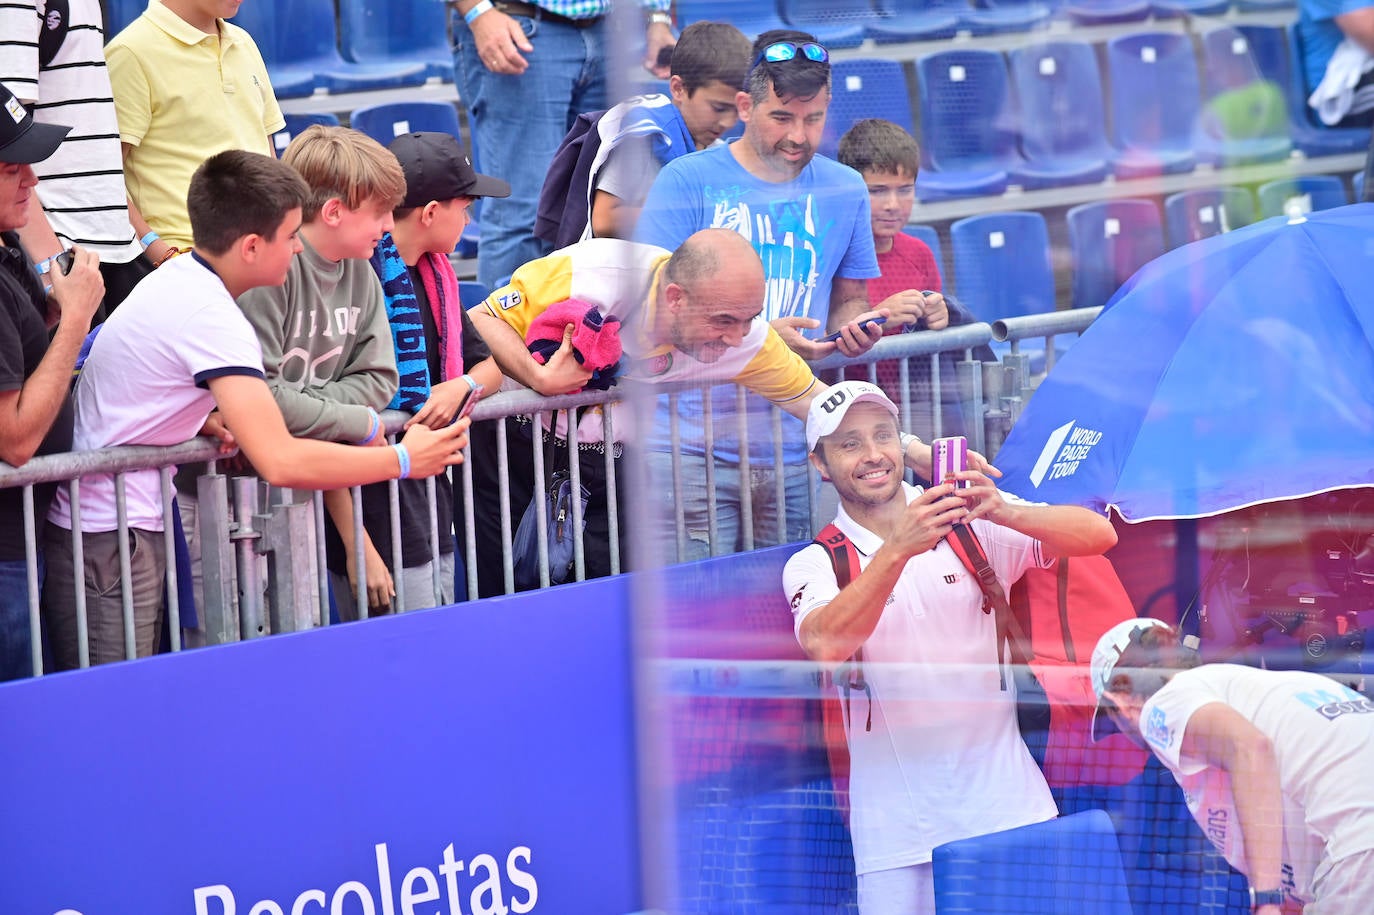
point(376, 427)
point(403, 456)
point(476, 11)
point(148, 239)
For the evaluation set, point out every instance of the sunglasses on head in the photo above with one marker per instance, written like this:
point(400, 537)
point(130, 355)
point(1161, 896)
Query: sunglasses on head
point(788, 50)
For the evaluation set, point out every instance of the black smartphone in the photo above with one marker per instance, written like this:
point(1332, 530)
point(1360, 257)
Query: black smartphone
point(665, 56)
point(871, 322)
point(65, 260)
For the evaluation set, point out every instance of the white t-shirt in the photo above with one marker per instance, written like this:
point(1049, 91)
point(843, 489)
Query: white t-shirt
point(146, 383)
point(944, 759)
point(1323, 738)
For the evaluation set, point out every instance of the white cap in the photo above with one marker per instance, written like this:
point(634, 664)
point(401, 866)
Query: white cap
point(1108, 651)
point(828, 409)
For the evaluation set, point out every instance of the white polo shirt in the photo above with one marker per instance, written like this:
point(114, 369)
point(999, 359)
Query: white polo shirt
point(146, 383)
point(944, 759)
point(1323, 738)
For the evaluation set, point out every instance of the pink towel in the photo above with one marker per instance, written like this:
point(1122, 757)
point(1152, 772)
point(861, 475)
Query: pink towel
point(596, 338)
point(441, 288)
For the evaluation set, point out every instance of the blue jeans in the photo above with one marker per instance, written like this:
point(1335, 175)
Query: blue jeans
point(518, 123)
point(16, 638)
point(729, 507)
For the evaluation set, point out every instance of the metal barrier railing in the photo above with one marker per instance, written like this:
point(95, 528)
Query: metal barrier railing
point(261, 550)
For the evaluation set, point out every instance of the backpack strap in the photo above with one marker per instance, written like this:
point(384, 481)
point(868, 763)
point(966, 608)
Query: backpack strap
point(969, 549)
point(845, 560)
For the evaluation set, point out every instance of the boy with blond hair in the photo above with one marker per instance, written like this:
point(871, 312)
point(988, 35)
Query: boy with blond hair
point(176, 349)
point(326, 344)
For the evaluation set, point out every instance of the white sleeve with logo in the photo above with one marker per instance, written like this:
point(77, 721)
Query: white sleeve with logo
point(809, 582)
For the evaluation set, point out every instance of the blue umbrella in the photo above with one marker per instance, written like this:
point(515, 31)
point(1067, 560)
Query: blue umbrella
point(1229, 372)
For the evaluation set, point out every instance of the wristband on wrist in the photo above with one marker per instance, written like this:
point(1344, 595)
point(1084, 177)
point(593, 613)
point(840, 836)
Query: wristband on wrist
point(44, 265)
point(403, 456)
point(148, 239)
point(661, 18)
point(481, 7)
point(906, 438)
point(1265, 897)
point(376, 427)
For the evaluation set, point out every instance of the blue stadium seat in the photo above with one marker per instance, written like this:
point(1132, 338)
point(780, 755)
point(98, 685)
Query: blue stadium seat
point(917, 20)
point(1192, 215)
point(1060, 93)
point(295, 123)
point(994, 17)
point(1175, 9)
point(1071, 864)
point(1002, 269)
point(297, 41)
point(835, 23)
point(1309, 134)
point(750, 18)
point(931, 238)
point(1106, 12)
point(387, 121)
point(471, 292)
point(1154, 102)
point(1357, 181)
point(1301, 195)
point(968, 125)
point(862, 89)
point(1245, 117)
point(1262, 6)
point(119, 13)
point(1109, 241)
point(394, 31)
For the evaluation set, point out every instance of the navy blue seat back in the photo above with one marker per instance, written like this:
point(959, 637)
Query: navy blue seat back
point(1059, 90)
point(1065, 866)
point(1002, 265)
point(296, 123)
point(1110, 240)
point(967, 119)
point(385, 31)
point(1301, 195)
point(1154, 98)
point(387, 121)
point(865, 89)
point(1193, 215)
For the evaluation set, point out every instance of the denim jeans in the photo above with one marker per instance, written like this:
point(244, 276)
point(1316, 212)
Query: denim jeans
point(518, 123)
point(729, 507)
point(16, 638)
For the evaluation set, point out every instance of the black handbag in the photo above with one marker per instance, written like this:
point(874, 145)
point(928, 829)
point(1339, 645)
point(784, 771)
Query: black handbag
point(556, 505)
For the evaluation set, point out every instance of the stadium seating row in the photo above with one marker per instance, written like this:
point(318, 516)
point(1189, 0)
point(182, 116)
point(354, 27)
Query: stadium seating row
point(363, 46)
point(1002, 261)
point(847, 23)
point(1038, 116)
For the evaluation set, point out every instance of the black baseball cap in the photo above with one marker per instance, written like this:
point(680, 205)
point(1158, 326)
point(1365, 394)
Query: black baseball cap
point(23, 140)
point(437, 168)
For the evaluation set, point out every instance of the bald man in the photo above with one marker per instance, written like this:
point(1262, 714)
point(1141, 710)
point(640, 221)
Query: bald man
point(687, 315)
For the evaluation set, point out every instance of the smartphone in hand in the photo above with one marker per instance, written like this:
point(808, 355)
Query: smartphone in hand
point(871, 322)
point(947, 456)
point(474, 395)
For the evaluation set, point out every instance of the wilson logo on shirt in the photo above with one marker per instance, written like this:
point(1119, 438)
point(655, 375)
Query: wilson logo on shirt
point(951, 578)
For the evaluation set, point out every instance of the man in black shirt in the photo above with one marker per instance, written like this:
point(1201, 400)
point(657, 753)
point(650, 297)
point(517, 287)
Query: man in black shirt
point(35, 372)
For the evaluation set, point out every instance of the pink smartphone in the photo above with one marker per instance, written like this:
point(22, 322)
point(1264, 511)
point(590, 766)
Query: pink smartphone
point(474, 395)
point(948, 455)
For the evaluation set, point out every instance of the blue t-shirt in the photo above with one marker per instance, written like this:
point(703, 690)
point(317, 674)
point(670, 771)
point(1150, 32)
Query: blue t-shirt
point(1320, 35)
point(807, 232)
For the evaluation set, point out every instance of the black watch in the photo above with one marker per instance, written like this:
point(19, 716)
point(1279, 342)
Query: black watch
point(1265, 897)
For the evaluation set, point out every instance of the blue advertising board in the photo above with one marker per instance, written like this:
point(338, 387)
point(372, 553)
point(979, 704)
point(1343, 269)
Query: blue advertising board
point(476, 759)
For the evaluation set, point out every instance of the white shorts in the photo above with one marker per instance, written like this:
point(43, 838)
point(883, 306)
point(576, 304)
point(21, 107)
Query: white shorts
point(898, 891)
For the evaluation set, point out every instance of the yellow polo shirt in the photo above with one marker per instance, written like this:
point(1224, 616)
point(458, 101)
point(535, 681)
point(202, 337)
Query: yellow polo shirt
point(181, 96)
